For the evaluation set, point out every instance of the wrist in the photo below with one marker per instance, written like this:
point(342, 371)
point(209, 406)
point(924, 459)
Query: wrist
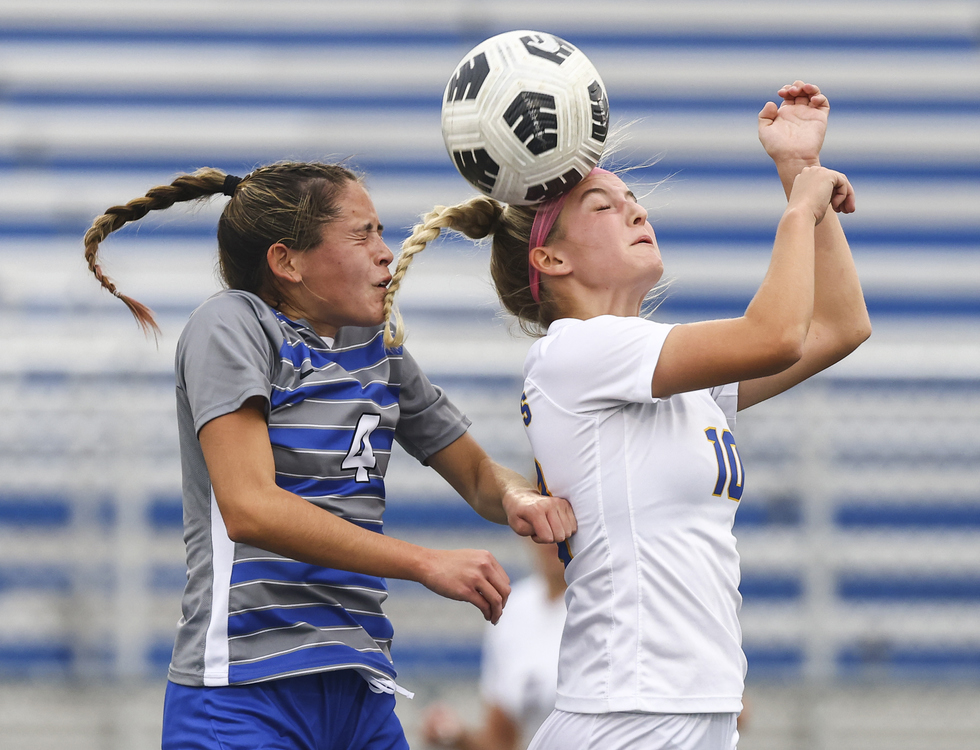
point(793, 164)
point(516, 492)
point(798, 216)
point(421, 565)
point(789, 169)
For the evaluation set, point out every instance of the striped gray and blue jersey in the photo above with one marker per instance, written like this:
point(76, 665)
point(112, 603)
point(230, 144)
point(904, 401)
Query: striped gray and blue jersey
point(249, 615)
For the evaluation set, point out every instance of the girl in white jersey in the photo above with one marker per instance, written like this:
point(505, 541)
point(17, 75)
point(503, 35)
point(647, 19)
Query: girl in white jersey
point(632, 421)
point(289, 396)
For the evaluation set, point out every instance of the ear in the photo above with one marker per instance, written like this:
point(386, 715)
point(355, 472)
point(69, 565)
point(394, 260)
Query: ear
point(549, 261)
point(281, 260)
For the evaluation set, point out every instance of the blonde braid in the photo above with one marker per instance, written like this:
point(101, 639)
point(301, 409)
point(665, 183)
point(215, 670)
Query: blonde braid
point(476, 218)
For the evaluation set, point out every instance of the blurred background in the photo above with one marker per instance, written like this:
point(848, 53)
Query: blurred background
point(860, 525)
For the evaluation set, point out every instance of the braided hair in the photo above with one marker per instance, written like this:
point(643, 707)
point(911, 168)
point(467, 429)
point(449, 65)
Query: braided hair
point(510, 227)
point(287, 202)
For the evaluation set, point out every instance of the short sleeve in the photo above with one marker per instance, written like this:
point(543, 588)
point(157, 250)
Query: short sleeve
point(598, 363)
point(224, 357)
point(726, 396)
point(428, 420)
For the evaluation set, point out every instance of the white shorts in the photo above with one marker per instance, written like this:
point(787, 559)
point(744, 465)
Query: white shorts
point(563, 730)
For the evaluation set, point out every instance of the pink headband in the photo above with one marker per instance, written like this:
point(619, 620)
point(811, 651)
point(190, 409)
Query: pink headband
point(544, 220)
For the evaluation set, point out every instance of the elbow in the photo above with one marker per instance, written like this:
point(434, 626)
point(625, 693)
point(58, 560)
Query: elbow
point(853, 338)
point(238, 532)
point(773, 343)
point(863, 332)
point(241, 526)
point(787, 350)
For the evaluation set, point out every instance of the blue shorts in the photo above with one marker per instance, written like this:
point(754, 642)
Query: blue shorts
point(324, 711)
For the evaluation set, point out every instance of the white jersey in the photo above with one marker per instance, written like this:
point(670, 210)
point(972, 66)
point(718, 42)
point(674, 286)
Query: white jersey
point(520, 655)
point(653, 578)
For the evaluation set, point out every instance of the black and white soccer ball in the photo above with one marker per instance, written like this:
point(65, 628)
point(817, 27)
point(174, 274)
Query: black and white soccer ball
point(525, 116)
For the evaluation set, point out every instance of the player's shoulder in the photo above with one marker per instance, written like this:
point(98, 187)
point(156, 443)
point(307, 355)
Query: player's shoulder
point(231, 304)
point(232, 315)
point(600, 331)
point(590, 343)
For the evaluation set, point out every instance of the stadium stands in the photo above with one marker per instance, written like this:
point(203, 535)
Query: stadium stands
point(860, 525)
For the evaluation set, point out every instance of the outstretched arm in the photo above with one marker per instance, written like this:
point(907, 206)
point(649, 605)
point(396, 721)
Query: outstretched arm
point(258, 512)
point(501, 495)
point(793, 135)
point(770, 337)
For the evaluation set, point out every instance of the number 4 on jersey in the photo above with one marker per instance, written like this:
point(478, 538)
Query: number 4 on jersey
point(361, 454)
point(734, 466)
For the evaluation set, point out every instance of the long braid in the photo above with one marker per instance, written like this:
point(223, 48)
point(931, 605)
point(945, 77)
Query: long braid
point(475, 218)
point(202, 183)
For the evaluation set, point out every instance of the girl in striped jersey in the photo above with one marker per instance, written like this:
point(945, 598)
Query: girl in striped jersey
point(289, 395)
point(632, 420)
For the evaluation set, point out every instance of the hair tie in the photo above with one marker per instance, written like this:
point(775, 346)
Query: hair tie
point(230, 183)
point(544, 220)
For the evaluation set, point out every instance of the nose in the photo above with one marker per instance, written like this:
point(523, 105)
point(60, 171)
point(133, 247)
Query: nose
point(386, 256)
point(639, 215)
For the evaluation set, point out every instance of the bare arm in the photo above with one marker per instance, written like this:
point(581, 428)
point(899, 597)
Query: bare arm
point(793, 136)
point(258, 512)
point(501, 495)
point(770, 337)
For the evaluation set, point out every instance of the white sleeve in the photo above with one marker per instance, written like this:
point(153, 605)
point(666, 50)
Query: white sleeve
point(600, 363)
point(726, 396)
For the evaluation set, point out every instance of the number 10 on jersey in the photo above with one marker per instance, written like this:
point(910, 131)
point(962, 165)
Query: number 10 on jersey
point(733, 466)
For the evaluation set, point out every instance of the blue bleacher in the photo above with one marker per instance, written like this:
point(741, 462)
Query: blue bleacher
point(873, 459)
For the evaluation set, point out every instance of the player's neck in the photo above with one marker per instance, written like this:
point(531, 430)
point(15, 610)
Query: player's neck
point(586, 303)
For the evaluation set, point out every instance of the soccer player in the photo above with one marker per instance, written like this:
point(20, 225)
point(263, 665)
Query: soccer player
point(632, 421)
point(519, 670)
point(288, 401)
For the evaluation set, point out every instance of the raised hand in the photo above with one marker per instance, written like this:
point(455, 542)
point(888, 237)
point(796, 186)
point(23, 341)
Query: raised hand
point(816, 189)
point(794, 131)
point(469, 575)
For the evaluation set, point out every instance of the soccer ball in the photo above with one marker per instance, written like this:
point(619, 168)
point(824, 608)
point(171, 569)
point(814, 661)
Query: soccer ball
point(525, 116)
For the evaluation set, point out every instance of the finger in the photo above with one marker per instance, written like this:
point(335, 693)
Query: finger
point(531, 520)
point(494, 604)
point(495, 592)
point(842, 200)
point(768, 114)
point(500, 580)
point(521, 526)
point(847, 202)
point(542, 520)
point(565, 521)
point(793, 90)
point(570, 521)
point(479, 601)
point(556, 526)
point(544, 532)
point(810, 89)
point(819, 102)
point(562, 522)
